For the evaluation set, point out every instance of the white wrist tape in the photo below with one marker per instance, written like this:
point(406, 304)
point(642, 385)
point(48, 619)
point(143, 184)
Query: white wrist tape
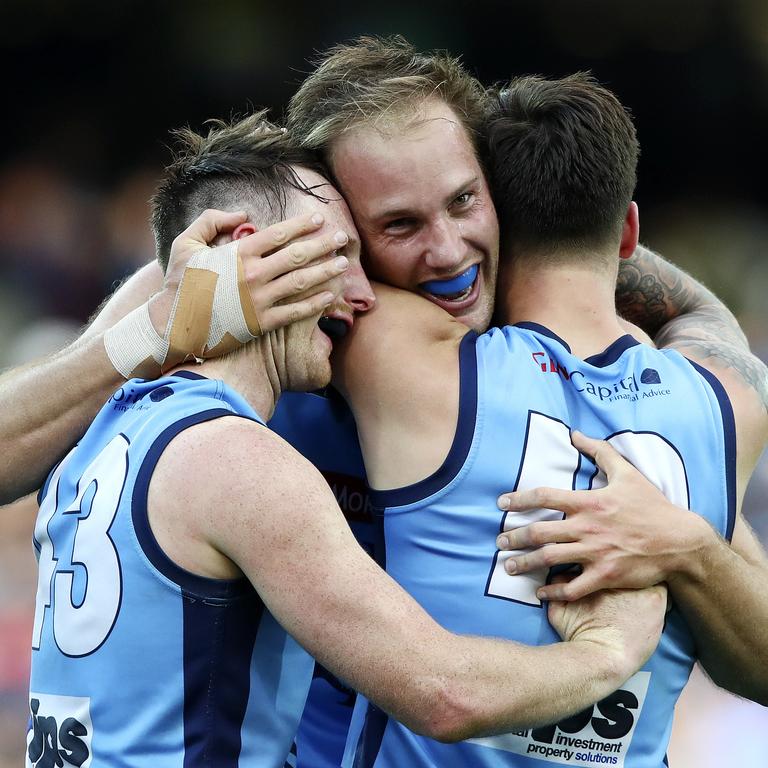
point(134, 346)
point(212, 314)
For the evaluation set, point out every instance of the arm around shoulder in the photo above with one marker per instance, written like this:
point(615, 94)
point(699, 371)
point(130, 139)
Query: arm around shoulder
point(277, 521)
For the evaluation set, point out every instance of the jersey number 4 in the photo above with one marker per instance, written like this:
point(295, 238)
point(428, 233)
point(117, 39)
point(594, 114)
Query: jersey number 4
point(79, 583)
point(549, 459)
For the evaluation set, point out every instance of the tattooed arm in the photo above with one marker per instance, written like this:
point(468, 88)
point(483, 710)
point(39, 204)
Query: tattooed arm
point(680, 313)
point(628, 535)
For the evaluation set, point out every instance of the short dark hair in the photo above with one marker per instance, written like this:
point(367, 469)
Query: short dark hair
point(562, 156)
point(245, 164)
point(370, 80)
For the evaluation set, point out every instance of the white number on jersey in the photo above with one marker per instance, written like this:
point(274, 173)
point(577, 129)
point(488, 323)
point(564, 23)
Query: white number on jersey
point(82, 621)
point(549, 459)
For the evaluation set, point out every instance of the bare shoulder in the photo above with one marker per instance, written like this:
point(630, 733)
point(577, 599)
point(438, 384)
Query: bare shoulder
point(746, 398)
point(401, 316)
point(399, 335)
point(721, 348)
point(399, 372)
point(235, 458)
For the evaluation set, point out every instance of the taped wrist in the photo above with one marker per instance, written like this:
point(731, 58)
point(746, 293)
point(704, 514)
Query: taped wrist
point(212, 314)
point(134, 347)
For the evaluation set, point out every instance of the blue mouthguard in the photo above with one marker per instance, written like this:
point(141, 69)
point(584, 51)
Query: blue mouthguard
point(454, 285)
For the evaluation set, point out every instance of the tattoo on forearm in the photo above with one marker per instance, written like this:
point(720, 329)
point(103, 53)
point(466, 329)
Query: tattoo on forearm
point(719, 344)
point(680, 312)
point(643, 299)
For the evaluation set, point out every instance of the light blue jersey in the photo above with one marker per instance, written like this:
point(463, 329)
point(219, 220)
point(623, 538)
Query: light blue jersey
point(322, 429)
point(522, 391)
point(137, 662)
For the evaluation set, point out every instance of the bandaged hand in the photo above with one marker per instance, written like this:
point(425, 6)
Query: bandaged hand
point(215, 299)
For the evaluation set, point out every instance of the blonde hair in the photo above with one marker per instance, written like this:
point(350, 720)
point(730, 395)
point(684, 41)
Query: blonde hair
point(378, 81)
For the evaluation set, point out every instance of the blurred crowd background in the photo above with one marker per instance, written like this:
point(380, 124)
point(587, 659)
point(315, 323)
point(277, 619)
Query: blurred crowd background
point(92, 90)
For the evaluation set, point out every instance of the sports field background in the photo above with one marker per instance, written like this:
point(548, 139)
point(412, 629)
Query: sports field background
point(91, 90)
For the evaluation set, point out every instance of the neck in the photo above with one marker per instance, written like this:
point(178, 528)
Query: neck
point(575, 301)
point(253, 372)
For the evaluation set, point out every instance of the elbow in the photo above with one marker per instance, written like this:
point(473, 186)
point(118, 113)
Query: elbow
point(450, 716)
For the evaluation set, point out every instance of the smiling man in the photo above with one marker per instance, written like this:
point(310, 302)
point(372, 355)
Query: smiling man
point(375, 108)
point(398, 130)
point(436, 235)
point(447, 417)
point(168, 535)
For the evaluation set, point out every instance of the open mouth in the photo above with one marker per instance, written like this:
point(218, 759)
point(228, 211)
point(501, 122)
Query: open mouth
point(455, 288)
point(333, 327)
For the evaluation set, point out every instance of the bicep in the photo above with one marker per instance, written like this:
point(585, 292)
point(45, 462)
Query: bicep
point(294, 545)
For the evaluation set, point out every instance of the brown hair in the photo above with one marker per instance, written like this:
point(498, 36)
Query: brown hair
point(241, 165)
point(562, 156)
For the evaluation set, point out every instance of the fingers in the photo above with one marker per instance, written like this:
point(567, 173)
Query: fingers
point(541, 498)
point(210, 224)
point(277, 236)
point(567, 591)
point(544, 558)
point(294, 255)
point(285, 314)
point(299, 281)
point(601, 452)
point(535, 535)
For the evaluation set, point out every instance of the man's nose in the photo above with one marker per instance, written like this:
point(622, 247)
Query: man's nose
point(357, 290)
point(446, 247)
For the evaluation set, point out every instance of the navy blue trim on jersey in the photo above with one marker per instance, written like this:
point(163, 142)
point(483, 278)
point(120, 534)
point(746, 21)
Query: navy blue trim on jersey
point(190, 582)
point(191, 375)
point(218, 645)
point(371, 737)
point(462, 440)
point(544, 331)
point(729, 434)
point(613, 352)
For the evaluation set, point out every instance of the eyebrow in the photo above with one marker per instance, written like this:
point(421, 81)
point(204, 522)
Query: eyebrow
point(400, 212)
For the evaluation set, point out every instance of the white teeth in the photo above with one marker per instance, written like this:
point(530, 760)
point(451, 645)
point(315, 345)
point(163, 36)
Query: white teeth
point(455, 296)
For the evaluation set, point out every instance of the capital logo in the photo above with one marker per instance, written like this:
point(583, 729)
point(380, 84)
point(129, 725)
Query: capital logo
point(650, 376)
point(627, 388)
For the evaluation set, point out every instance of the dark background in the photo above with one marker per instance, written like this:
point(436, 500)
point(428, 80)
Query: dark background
point(92, 90)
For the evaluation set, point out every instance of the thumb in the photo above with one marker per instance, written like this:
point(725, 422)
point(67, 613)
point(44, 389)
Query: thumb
point(206, 227)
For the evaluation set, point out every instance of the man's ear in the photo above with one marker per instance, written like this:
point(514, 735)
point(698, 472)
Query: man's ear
point(630, 234)
point(243, 230)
